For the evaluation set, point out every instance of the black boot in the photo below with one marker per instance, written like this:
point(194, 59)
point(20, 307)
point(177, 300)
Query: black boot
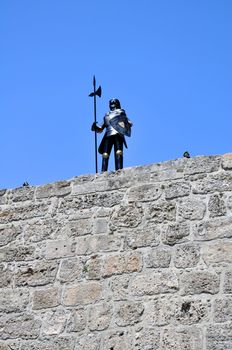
point(118, 162)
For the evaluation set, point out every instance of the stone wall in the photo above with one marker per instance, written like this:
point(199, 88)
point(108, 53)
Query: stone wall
point(139, 259)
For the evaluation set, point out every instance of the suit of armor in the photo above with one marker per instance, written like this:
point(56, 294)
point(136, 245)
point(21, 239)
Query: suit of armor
point(112, 137)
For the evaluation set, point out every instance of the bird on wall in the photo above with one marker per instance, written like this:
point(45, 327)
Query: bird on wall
point(186, 154)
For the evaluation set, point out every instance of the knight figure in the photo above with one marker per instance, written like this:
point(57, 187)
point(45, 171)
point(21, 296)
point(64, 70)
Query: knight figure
point(117, 126)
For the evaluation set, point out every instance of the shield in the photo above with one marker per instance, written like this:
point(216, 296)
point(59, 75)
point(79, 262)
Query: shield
point(121, 125)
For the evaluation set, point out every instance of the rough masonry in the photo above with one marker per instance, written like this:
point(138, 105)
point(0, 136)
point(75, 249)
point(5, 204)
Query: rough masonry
point(140, 259)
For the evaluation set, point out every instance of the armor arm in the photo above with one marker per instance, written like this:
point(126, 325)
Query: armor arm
point(97, 128)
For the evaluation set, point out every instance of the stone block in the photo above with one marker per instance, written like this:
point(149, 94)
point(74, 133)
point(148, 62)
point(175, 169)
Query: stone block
point(223, 309)
point(58, 189)
point(6, 275)
point(54, 322)
point(12, 300)
point(146, 237)
point(35, 273)
point(117, 340)
point(216, 205)
point(88, 342)
point(177, 189)
point(144, 193)
point(158, 257)
point(40, 230)
point(119, 287)
point(154, 283)
point(128, 313)
point(121, 263)
point(100, 225)
point(175, 233)
point(182, 338)
point(129, 216)
point(58, 343)
point(175, 310)
point(10, 345)
point(70, 269)
point(227, 161)
point(99, 316)
point(87, 245)
point(219, 182)
point(60, 249)
point(197, 282)
point(9, 233)
point(93, 268)
point(213, 229)
point(77, 321)
point(17, 252)
point(161, 212)
point(19, 326)
point(24, 211)
point(83, 293)
point(217, 252)
point(147, 339)
point(219, 337)
point(22, 194)
point(191, 209)
point(187, 255)
point(200, 164)
point(46, 298)
point(227, 287)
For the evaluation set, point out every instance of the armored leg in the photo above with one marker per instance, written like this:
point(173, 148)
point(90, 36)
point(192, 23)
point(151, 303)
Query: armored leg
point(105, 161)
point(118, 159)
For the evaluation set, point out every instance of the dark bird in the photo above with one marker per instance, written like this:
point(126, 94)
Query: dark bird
point(186, 155)
point(25, 184)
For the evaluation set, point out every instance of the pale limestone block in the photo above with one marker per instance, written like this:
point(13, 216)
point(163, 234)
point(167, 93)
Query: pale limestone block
point(71, 269)
point(93, 268)
point(154, 283)
point(24, 211)
point(121, 263)
point(213, 229)
point(17, 252)
point(77, 321)
point(128, 313)
point(87, 245)
point(146, 237)
point(227, 287)
point(223, 309)
point(161, 212)
point(182, 338)
point(58, 189)
point(54, 322)
point(13, 300)
point(22, 194)
point(99, 316)
point(19, 326)
point(227, 161)
point(6, 275)
point(197, 282)
point(147, 339)
point(9, 233)
point(217, 252)
point(192, 209)
point(127, 216)
point(117, 339)
point(35, 273)
point(10, 345)
point(219, 337)
point(83, 293)
point(46, 298)
point(216, 205)
point(88, 342)
point(177, 189)
point(119, 287)
point(144, 193)
point(158, 257)
point(176, 233)
point(59, 249)
point(40, 230)
point(187, 255)
point(100, 225)
point(219, 182)
point(59, 343)
point(200, 164)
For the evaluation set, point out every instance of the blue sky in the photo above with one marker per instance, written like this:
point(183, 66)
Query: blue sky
point(168, 61)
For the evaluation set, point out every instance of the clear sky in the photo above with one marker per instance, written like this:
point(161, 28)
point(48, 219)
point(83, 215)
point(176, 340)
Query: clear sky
point(167, 61)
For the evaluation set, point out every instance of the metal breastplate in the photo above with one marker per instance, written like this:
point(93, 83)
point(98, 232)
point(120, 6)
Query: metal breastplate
point(109, 129)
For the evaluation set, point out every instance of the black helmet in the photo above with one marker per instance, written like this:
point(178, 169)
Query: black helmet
point(114, 104)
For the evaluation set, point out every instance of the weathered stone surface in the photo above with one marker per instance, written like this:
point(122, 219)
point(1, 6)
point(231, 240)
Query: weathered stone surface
point(58, 189)
point(46, 298)
point(71, 269)
point(128, 313)
point(127, 216)
point(213, 229)
point(197, 282)
point(99, 316)
point(177, 189)
point(9, 233)
point(22, 194)
point(162, 212)
point(144, 193)
point(146, 237)
point(60, 343)
point(223, 309)
point(219, 337)
point(181, 339)
point(88, 342)
point(117, 340)
point(227, 161)
point(175, 233)
point(35, 274)
point(121, 263)
point(216, 206)
point(191, 209)
point(100, 225)
point(60, 249)
point(19, 326)
point(187, 255)
point(77, 321)
point(83, 293)
point(218, 252)
point(154, 283)
point(227, 287)
point(198, 165)
point(17, 252)
point(219, 182)
point(87, 245)
point(147, 339)
point(119, 287)
point(173, 310)
point(159, 257)
point(13, 300)
point(23, 212)
point(6, 275)
point(39, 230)
point(54, 322)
